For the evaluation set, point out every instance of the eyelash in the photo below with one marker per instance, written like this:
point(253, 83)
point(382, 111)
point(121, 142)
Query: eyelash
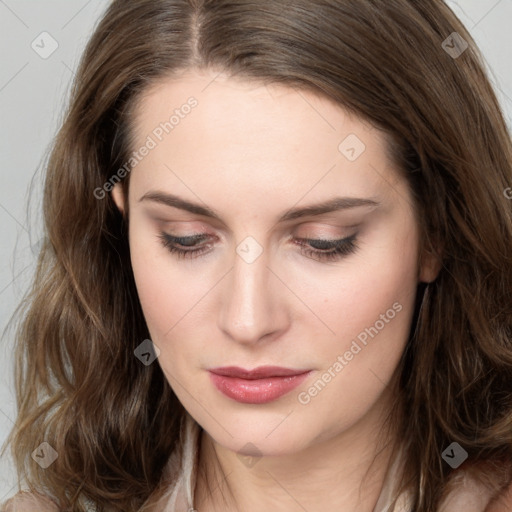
point(336, 248)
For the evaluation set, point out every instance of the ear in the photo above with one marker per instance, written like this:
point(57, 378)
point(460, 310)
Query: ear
point(430, 265)
point(118, 197)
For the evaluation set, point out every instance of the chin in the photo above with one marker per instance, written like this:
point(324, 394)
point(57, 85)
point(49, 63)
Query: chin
point(260, 439)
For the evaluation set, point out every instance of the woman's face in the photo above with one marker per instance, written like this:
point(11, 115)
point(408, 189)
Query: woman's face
point(262, 183)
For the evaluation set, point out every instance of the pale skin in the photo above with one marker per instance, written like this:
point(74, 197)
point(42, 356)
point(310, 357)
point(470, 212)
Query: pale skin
point(251, 153)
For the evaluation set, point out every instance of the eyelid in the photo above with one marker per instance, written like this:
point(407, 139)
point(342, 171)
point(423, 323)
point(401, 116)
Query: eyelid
point(183, 239)
point(328, 241)
point(180, 238)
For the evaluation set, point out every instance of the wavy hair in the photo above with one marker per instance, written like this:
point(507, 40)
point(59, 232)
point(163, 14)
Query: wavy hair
point(113, 421)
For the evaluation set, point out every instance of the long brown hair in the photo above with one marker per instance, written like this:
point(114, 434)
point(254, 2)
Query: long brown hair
point(113, 421)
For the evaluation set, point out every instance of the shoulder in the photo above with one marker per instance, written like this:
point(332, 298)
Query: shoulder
point(28, 502)
point(502, 503)
point(478, 489)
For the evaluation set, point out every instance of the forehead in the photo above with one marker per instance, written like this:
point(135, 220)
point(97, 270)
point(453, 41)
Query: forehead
point(230, 102)
point(247, 135)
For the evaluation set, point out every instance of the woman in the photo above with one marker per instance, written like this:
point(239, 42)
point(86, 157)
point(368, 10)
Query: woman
point(277, 270)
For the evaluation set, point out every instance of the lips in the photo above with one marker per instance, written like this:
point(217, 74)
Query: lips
point(261, 372)
point(257, 386)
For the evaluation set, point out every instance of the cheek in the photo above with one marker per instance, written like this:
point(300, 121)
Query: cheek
point(164, 292)
point(370, 310)
point(175, 298)
point(366, 291)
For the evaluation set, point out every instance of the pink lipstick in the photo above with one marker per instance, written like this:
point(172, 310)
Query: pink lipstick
point(257, 386)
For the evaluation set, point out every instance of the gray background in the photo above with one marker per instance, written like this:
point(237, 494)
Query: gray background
point(33, 92)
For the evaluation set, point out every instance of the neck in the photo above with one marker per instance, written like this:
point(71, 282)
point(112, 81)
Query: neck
point(345, 471)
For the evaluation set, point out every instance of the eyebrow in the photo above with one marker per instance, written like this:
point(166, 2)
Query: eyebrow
point(331, 205)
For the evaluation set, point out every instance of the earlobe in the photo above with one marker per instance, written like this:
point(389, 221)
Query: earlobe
point(118, 197)
point(430, 266)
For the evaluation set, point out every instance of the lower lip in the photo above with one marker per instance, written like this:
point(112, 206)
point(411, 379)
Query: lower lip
point(257, 391)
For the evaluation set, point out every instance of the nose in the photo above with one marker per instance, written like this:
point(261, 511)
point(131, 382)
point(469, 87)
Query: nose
point(252, 307)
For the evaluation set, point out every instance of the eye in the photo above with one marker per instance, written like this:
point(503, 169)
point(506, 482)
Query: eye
point(319, 249)
point(328, 250)
point(184, 246)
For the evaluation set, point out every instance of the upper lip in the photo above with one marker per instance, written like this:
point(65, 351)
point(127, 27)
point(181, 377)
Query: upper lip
point(262, 372)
